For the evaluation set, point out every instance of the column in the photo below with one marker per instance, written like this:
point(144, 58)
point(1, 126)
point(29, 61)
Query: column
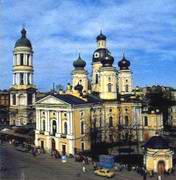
point(60, 122)
point(68, 122)
point(48, 122)
point(71, 122)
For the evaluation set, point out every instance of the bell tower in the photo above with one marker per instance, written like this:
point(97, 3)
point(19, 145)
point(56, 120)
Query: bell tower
point(80, 75)
point(98, 55)
point(22, 93)
point(108, 79)
point(124, 77)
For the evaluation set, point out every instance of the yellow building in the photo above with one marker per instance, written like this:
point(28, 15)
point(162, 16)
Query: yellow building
point(158, 156)
point(108, 108)
point(63, 123)
point(152, 123)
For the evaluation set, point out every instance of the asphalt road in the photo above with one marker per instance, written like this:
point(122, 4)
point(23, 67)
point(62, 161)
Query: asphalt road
point(23, 166)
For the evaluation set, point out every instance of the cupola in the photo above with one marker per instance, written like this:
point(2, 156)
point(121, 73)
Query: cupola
point(23, 41)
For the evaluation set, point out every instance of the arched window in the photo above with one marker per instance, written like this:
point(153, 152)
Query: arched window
point(109, 87)
point(54, 128)
point(110, 122)
point(65, 128)
point(126, 121)
point(82, 127)
point(126, 88)
point(96, 78)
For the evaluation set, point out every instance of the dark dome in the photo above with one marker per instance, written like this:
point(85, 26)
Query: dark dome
point(23, 41)
point(100, 54)
point(107, 61)
point(157, 142)
point(79, 63)
point(124, 64)
point(78, 87)
point(101, 37)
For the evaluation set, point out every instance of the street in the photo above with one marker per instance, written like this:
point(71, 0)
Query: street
point(23, 166)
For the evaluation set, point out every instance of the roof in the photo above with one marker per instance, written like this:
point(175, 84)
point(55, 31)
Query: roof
point(23, 41)
point(76, 100)
point(157, 142)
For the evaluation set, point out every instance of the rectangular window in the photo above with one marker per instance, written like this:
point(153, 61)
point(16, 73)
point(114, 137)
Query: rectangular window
point(14, 99)
point(21, 78)
point(82, 146)
point(29, 99)
point(126, 88)
point(28, 78)
point(145, 121)
point(21, 59)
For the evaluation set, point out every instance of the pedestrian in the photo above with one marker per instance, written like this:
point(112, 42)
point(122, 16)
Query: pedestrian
point(144, 176)
point(159, 177)
point(84, 169)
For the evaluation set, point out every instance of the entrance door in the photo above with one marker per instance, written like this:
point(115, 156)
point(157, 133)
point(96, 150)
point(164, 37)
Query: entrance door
point(53, 144)
point(63, 149)
point(161, 167)
point(42, 144)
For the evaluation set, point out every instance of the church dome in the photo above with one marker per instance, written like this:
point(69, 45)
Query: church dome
point(107, 61)
point(78, 87)
point(79, 63)
point(124, 64)
point(100, 54)
point(101, 37)
point(23, 41)
point(157, 142)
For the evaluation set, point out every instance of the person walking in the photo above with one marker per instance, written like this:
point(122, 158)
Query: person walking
point(84, 169)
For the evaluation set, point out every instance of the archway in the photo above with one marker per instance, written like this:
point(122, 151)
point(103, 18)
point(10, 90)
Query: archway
point(53, 144)
point(161, 167)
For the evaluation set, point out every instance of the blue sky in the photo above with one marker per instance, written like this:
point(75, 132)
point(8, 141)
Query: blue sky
point(60, 29)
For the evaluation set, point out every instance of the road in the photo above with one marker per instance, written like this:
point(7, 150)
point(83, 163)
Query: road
point(23, 166)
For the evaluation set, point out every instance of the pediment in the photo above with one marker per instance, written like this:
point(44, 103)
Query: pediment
point(51, 100)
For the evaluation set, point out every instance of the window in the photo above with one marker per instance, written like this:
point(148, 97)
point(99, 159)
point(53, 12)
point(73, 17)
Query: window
point(82, 146)
point(28, 78)
point(100, 121)
point(43, 125)
point(14, 99)
point(54, 128)
point(109, 78)
point(126, 88)
point(21, 59)
point(65, 128)
point(126, 121)
point(82, 127)
point(145, 121)
point(110, 122)
point(21, 78)
point(110, 110)
point(94, 124)
point(29, 99)
point(96, 78)
point(109, 87)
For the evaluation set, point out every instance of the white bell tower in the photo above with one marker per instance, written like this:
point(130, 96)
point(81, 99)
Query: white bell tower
point(22, 93)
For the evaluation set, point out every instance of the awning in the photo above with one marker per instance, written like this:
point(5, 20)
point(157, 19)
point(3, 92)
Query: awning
point(12, 133)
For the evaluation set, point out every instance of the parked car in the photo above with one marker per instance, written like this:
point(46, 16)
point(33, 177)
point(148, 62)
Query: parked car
point(104, 172)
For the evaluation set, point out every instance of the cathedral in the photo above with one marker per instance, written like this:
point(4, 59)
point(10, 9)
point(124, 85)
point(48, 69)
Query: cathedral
point(102, 109)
